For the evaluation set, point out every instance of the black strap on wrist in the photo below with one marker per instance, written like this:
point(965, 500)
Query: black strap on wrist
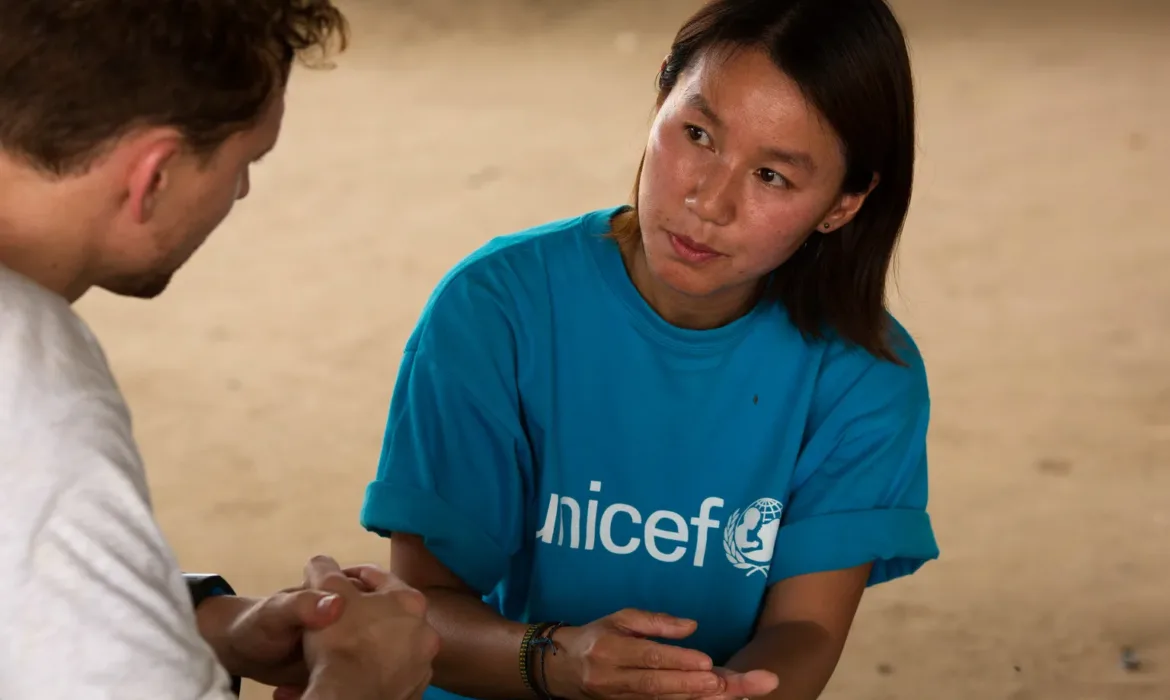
point(205, 586)
point(537, 641)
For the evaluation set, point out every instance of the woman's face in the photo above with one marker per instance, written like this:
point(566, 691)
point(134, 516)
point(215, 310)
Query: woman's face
point(739, 171)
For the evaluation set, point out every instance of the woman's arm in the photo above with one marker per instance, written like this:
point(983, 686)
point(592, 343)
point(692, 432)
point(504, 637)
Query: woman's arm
point(478, 657)
point(802, 631)
point(611, 657)
point(859, 494)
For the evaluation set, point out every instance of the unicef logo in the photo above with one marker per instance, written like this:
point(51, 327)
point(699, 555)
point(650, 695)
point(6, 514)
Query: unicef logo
point(750, 536)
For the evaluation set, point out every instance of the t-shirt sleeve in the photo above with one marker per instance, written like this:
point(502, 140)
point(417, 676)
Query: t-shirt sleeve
point(95, 605)
point(454, 451)
point(860, 487)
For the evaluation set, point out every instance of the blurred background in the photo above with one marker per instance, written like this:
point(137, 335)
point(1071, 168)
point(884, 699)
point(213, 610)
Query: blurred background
point(1033, 274)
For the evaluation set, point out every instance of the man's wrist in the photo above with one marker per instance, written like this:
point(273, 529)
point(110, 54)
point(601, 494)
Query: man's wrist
point(215, 624)
point(341, 678)
point(216, 617)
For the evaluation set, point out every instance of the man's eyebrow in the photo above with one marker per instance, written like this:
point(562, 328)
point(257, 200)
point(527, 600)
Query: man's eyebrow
point(796, 159)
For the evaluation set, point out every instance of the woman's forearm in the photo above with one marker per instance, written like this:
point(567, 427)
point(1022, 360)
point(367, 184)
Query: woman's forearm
point(479, 655)
point(803, 655)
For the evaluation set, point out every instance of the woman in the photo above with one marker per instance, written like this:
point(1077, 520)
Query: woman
point(692, 419)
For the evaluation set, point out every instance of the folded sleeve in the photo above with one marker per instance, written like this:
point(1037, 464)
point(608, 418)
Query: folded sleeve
point(860, 488)
point(454, 455)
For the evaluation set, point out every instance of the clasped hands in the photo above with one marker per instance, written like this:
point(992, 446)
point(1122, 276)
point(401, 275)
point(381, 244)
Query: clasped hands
point(273, 641)
point(278, 640)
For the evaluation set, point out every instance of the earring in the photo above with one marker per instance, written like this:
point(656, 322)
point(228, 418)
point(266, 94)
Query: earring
point(828, 226)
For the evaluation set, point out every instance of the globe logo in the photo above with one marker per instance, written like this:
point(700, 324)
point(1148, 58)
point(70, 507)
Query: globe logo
point(750, 536)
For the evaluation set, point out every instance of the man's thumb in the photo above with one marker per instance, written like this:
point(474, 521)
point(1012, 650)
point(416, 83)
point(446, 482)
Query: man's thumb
point(313, 609)
point(640, 623)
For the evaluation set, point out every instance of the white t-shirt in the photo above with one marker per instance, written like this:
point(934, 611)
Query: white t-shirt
point(92, 602)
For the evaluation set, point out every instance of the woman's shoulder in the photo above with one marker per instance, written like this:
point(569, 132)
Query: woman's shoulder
point(533, 251)
point(852, 374)
point(506, 279)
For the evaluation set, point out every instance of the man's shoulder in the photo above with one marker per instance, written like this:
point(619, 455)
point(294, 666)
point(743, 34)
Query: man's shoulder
point(92, 577)
point(20, 295)
point(59, 404)
point(47, 351)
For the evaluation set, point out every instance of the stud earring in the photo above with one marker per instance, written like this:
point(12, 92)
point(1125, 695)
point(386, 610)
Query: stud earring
point(828, 226)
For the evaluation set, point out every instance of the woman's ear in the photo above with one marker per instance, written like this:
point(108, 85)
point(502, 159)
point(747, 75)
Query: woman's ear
point(846, 208)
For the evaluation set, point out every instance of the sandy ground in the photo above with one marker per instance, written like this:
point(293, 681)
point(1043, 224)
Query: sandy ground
point(1033, 273)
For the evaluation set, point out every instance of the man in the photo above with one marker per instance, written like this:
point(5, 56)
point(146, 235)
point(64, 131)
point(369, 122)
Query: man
point(127, 128)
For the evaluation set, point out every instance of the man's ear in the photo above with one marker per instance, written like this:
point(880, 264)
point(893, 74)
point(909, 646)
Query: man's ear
point(847, 207)
point(151, 172)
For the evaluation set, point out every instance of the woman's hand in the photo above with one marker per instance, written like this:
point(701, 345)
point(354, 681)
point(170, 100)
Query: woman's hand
point(611, 659)
point(753, 684)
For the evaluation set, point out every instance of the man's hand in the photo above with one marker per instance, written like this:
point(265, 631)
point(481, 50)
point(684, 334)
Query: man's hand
point(260, 639)
point(381, 648)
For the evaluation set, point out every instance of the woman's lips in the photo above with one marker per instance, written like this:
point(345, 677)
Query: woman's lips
point(691, 250)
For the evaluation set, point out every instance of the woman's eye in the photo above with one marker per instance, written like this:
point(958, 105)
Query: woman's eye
point(771, 177)
point(697, 135)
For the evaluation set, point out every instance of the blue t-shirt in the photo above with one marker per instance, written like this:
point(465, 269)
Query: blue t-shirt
point(568, 453)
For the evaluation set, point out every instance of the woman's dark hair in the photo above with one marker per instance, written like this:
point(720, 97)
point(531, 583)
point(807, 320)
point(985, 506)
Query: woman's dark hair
point(850, 60)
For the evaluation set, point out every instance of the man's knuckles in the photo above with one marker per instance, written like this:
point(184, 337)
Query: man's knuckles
point(406, 601)
point(428, 642)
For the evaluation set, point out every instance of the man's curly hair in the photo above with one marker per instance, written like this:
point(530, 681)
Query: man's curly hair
point(77, 74)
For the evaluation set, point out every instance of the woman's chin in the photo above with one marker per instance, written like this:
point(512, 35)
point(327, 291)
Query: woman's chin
point(683, 280)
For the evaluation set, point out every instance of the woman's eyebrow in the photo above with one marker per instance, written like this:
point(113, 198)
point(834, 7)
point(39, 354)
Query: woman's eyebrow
point(697, 101)
point(796, 159)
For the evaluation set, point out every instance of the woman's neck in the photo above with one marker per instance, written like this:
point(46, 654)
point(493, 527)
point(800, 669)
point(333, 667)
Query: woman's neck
point(684, 311)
